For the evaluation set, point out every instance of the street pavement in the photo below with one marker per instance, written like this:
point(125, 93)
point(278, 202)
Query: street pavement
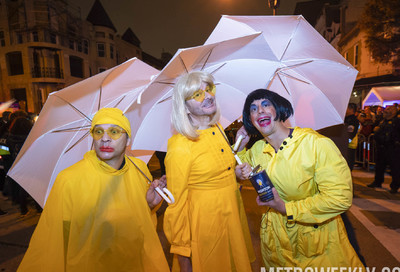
point(374, 215)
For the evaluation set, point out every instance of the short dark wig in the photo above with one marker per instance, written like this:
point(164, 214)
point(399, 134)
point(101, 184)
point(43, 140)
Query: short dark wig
point(282, 107)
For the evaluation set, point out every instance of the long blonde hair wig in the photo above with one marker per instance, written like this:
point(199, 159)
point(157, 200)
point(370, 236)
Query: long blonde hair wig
point(184, 88)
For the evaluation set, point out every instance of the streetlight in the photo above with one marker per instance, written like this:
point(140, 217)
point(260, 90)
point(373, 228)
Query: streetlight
point(273, 4)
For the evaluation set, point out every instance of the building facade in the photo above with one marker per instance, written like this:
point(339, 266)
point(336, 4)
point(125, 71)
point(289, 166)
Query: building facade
point(337, 22)
point(46, 46)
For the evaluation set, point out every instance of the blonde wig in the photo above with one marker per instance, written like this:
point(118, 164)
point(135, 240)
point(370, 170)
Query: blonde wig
point(184, 88)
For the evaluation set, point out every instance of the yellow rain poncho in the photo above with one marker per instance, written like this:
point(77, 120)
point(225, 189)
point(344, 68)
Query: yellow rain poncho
point(96, 219)
point(207, 222)
point(314, 181)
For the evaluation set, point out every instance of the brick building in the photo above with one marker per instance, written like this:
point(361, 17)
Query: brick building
point(46, 46)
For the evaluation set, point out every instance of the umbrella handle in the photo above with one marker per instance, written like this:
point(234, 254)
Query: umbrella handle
point(170, 198)
point(237, 159)
point(236, 147)
point(238, 143)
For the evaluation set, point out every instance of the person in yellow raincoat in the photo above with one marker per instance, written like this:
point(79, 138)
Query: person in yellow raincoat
point(207, 225)
point(302, 226)
point(98, 214)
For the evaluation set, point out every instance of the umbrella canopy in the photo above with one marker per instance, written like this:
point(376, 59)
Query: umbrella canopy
point(59, 137)
point(308, 71)
point(238, 66)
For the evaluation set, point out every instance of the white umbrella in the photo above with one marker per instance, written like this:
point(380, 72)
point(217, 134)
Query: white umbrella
point(59, 137)
point(238, 65)
point(309, 71)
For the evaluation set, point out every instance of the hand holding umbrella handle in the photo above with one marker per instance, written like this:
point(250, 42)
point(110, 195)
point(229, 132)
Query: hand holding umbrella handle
point(170, 198)
point(255, 169)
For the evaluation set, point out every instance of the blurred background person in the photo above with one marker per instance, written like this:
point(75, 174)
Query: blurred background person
point(366, 124)
point(352, 125)
point(387, 138)
point(11, 188)
point(18, 132)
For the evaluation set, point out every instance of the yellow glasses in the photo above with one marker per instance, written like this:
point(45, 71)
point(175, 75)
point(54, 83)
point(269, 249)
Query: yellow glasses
point(114, 133)
point(201, 94)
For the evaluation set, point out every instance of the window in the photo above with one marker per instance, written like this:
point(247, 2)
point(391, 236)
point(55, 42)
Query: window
point(79, 46)
point(356, 55)
point(86, 47)
point(76, 66)
point(14, 63)
point(53, 38)
point(19, 94)
point(58, 73)
point(349, 56)
point(71, 44)
point(37, 69)
point(111, 36)
point(111, 51)
point(2, 40)
point(100, 34)
point(35, 36)
point(101, 50)
point(102, 70)
point(19, 38)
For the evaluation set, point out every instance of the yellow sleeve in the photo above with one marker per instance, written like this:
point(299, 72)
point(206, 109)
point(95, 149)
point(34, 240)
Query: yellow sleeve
point(334, 182)
point(247, 155)
point(176, 218)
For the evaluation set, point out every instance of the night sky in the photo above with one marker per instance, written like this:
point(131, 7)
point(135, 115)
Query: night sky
point(167, 25)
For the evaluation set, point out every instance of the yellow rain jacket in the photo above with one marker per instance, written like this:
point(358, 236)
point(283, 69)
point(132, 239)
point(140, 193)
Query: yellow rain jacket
point(207, 222)
point(96, 219)
point(314, 181)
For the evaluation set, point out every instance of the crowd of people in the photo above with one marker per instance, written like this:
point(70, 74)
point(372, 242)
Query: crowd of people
point(380, 127)
point(14, 129)
point(101, 212)
point(371, 116)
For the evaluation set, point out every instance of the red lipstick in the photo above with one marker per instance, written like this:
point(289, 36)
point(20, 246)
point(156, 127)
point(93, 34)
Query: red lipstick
point(106, 149)
point(264, 121)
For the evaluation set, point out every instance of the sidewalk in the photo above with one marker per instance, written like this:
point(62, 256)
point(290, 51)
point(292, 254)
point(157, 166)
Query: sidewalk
point(375, 216)
point(15, 233)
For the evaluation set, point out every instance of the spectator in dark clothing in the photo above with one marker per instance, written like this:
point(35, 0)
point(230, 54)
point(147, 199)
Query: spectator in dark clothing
point(352, 125)
point(378, 115)
point(16, 114)
point(3, 148)
point(369, 111)
point(387, 137)
point(18, 132)
point(4, 121)
point(366, 123)
point(5, 153)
